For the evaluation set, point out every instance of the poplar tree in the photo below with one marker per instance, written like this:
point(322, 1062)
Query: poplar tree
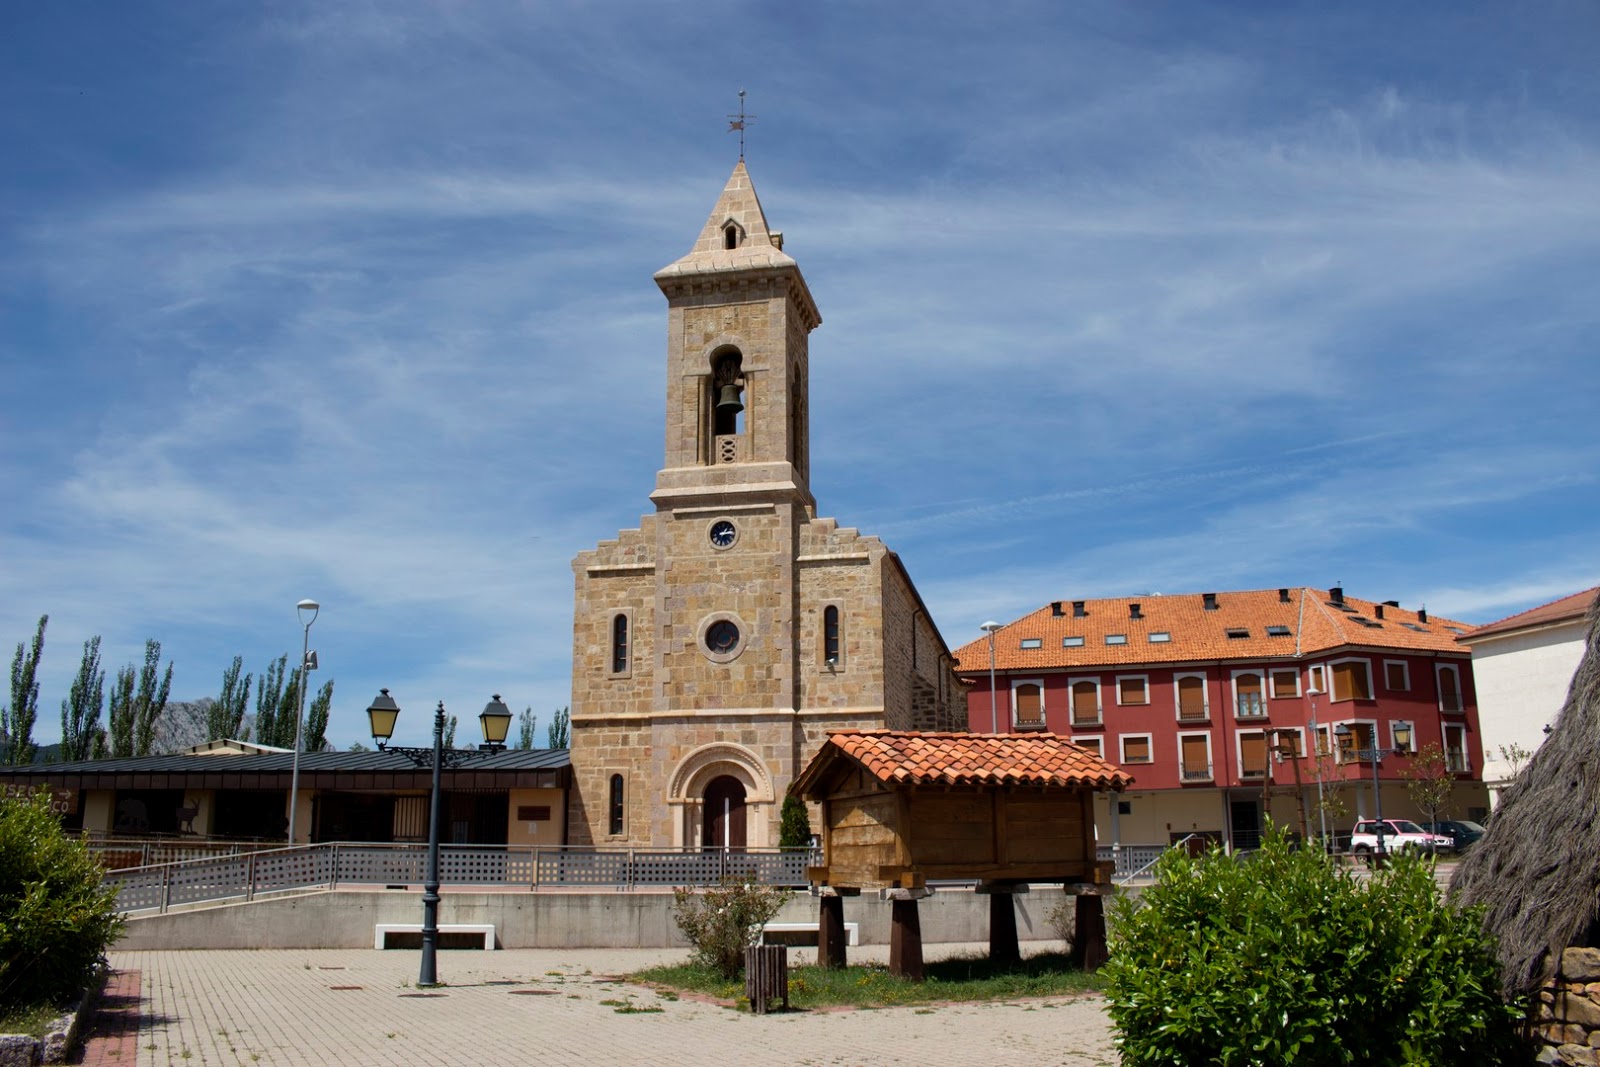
point(526, 723)
point(559, 728)
point(316, 735)
point(24, 710)
point(80, 712)
point(269, 698)
point(137, 700)
point(225, 718)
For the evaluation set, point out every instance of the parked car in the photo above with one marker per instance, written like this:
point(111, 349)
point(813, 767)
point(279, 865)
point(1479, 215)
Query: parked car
point(1399, 835)
point(1461, 832)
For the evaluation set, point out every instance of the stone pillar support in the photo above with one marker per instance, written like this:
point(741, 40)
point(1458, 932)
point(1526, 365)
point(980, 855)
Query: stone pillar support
point(905, 932)
point(1004, 950)
point(831, 940)
point(1089, 934)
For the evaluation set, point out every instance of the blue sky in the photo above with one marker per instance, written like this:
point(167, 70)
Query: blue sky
point(352, 300)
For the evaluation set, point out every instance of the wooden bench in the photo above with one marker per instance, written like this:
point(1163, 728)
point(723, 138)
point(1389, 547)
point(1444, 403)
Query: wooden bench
point(803, 934)
point(483, 932)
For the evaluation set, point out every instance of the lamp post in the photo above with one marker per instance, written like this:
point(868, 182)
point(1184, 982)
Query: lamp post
point(496, 722)
point(300, 715)
point(1402, 745)
point(1322, 809)
point(994, 716)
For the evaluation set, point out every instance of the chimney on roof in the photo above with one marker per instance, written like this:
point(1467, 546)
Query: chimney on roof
point(1283, 596)
point(1209, 600)
point(1336, 594)
point(1133, 612)
point(1055, 608)
point(1377, 609)
point(1077, 609)
point(1392, 603)
point(1422, 614)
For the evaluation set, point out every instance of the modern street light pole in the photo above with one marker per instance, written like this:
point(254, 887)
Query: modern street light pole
point(1322, 809)
point(994, 716)
point(496, 723)
point(1402, 745)
point(300, 716)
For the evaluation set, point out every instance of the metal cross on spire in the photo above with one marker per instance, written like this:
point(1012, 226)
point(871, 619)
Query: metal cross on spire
point(736, 122)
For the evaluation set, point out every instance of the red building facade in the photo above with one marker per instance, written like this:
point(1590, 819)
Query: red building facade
point(1228, 707)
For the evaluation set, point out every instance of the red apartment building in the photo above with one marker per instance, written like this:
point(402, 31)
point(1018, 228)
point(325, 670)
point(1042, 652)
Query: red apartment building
point(1226, 707)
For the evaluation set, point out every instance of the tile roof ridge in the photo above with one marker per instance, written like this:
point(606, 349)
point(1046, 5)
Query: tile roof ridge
point(1584, 598)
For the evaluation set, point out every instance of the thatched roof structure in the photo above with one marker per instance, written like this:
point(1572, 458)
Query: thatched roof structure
point(1537, 870)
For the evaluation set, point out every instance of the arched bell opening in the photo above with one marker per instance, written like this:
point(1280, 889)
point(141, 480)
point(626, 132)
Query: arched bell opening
point(727, 392)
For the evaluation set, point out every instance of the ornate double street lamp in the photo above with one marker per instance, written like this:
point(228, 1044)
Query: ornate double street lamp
point(1402, 745)
point(496, 722)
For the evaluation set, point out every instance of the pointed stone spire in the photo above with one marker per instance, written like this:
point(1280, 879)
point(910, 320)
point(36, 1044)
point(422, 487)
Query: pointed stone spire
point(735, 236)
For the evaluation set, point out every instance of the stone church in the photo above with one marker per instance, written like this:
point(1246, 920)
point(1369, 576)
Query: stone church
point(716, 645)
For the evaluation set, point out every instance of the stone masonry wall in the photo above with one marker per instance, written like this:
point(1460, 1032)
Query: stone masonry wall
point(1567, 1023)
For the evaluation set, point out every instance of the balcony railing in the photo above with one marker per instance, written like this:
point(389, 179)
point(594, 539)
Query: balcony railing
point(1197, 773)
point(1456, 762)
point(1200, 714)
point(1253, 772)
point(1250, 706)
point(1089, 717)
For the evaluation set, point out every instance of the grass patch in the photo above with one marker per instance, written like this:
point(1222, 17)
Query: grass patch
point(961, 978)
point(33, 1021)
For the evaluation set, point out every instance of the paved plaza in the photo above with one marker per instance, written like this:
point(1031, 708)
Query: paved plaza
point(527, 1007)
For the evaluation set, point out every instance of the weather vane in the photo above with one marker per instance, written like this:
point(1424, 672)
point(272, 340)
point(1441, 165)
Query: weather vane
point(736, 122)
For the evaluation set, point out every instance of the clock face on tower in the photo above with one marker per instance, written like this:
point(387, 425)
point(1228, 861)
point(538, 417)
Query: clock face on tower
point(723, 534)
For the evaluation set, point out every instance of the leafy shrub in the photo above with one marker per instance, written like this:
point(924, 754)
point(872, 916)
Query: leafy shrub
point(723, 921)
point(1282, 957)
point(56, 918)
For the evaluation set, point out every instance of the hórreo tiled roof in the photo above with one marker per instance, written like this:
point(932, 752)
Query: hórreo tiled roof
point(897, 756)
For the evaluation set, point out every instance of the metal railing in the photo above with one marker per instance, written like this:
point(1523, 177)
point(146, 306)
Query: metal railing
point(1197, 774)
point(119, 852)
point(1134, 862)
point(248, 875)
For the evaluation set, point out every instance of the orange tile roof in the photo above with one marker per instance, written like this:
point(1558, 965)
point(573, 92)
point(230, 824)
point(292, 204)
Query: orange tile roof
point(1310, 621)
point(975, 759)
point(1565, 609)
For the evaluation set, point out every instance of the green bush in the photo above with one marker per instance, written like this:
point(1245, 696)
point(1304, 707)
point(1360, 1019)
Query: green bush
point(794, 827)
point(723, 921)
point(56, 918)
point(1280, 957)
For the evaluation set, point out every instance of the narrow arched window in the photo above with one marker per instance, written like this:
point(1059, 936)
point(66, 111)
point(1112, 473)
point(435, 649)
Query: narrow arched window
point(830, 635)
point(616, 804)
point(619, 644)
point(730, 236)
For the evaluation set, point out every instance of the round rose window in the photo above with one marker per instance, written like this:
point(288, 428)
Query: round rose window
point(722, 637)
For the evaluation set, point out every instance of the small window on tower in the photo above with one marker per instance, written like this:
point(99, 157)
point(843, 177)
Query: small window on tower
point(730, 236)
point(615, 821)
point(830, 635)
point(619, 644)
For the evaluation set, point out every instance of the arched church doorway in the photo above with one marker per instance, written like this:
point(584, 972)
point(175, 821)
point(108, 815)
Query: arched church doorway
point(724, 813)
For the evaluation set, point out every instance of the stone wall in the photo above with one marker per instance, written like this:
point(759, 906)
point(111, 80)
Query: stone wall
point(1567, 1023)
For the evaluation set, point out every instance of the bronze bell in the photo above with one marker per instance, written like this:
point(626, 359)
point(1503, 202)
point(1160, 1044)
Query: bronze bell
point(729, 403)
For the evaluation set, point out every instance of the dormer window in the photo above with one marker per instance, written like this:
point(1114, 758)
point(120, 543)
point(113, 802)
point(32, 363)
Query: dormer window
point(730, 234)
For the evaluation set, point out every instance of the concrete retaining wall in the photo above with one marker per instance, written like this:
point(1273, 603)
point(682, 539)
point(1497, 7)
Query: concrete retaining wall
point(544, 919)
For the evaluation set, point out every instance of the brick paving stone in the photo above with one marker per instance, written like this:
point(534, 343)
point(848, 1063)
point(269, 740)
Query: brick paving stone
point(296, 1008)
point(112, 1037)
